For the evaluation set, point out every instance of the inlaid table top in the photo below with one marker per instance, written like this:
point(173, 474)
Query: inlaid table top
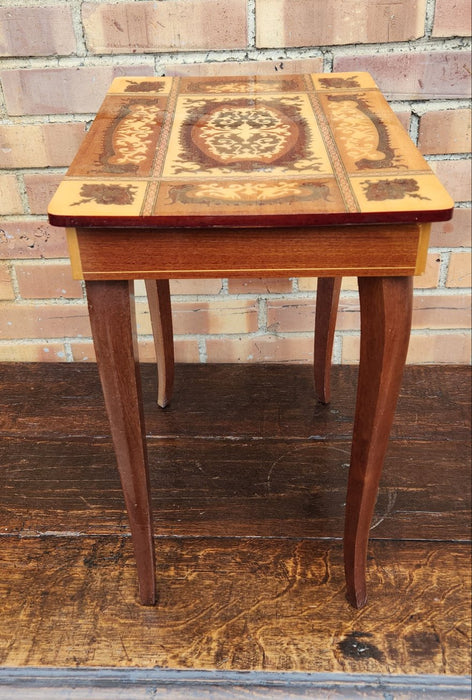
point(291, 150)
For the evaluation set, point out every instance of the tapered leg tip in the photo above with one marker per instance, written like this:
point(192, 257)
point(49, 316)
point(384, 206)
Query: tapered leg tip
point(163, 401)
point(148, 599)
point(356, 599)
point(322, 392)
point(147, 590)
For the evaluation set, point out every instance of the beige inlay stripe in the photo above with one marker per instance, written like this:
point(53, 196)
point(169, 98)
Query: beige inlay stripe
point(153, 188)
point(338, 167)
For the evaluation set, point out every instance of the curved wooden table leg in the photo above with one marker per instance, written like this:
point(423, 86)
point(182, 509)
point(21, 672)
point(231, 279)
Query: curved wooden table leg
point(327, 299)
point(112, 317)
point(158, 295)
point(386, 306)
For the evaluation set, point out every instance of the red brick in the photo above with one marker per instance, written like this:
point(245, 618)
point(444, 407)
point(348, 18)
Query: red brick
point(31, 239)
point(404, 118)
point(348, 313)
point(83, 351)
point(36, 281)
point(298, 315)
point(415, 75)
point(228, 316)
point(430, 312)
point(455, 176)
point(290, 315)
point(440, 311)
point(197, 286)
point(292, 349)
point(238, 285)
point(439, 348)
point(36, 31)
point(456, 232)
point(290, 66)
point(430, 278)
point(36, 321)
point(281, 23)
point(77, 90)
point(185, 287)
point(10, 200)
point(445, 131)
point(185, 350)
point(452, 18)
point(425, 348)
point(307, 284)
point(39, 145)
point(349, 284)
point(174, 25)
point(40, 189)
point(32, 352)
point(350, 349)
point(459, 272)
point(6, 286)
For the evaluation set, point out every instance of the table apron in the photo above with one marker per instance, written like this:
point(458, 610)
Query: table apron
point(376, 250)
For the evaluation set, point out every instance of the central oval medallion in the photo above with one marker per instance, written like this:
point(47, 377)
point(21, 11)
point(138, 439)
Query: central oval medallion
point(253, 133)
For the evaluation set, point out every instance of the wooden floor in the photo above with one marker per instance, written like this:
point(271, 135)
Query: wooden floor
point(248, 478)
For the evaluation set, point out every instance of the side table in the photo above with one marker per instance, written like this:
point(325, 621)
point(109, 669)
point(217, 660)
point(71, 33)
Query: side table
point(294, 175)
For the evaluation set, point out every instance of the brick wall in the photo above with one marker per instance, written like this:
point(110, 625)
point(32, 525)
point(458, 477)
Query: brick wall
point(57, 59)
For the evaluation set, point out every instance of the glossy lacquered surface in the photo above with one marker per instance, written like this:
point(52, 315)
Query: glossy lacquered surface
point(296, 150)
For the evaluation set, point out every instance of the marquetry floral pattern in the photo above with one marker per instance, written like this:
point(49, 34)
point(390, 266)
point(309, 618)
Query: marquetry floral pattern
point(250, 192)
point(244, 135)
point(380, 190)
point(117, 195)
point(235, 87)
point(220, 85)
point(144, 86)
point(363, 133)
point(128, 141)
point(340, 83)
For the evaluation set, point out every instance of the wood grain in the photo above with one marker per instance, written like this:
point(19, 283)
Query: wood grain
point(234, 488)
point(185, 253)
point(234, 604)
point(232, 401)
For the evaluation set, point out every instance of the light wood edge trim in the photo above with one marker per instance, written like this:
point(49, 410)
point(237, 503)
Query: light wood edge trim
point(423, 243)
point(404, 271)
point(74, 253)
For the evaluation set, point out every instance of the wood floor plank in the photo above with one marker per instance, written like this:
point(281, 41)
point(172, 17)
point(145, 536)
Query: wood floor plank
point(248, 479)
point(234, 604)
point(234, 488)
point(230, 400)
